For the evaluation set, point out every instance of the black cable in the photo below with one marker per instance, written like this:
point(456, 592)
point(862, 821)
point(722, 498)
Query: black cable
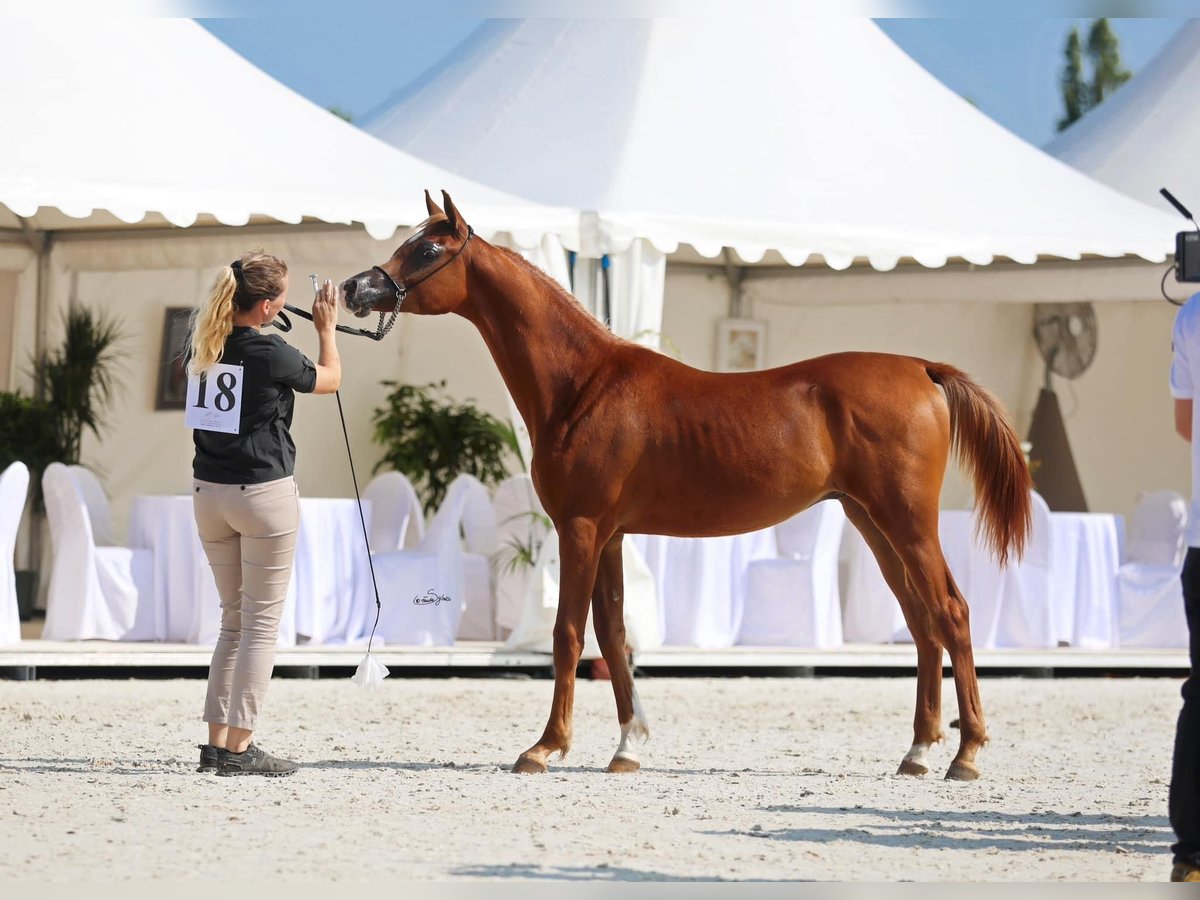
point(1163, 287)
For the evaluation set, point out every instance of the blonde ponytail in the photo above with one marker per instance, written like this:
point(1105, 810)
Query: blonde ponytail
point(260, 276)
point(212, 323)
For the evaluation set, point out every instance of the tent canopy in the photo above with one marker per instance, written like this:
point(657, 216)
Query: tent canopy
point(111, 122)
point(1146, 136)
point(797, 135)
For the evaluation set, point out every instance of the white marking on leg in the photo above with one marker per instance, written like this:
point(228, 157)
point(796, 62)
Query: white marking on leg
point(633, 733)
point(919, 754)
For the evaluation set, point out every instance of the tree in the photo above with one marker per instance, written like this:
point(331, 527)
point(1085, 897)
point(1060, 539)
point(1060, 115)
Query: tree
point(341, 113)
point(1104, 56)
point(1104, 51)
point(1074, 89)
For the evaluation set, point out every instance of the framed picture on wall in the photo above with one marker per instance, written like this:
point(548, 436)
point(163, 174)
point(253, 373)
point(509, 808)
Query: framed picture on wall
point(172, 378)
point(741, 345)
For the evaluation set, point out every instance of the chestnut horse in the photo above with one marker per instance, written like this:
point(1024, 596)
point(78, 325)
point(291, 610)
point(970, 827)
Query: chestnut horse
point(628, 441)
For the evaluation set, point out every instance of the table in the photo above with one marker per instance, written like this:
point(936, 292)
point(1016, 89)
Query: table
point(701, 583)
point(330, 597)
point(1084, 557)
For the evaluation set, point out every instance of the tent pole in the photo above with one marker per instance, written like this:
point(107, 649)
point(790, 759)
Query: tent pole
point(736, 275)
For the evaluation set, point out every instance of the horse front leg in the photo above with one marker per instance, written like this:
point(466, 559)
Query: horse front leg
point(608, 608)
point(578, 556)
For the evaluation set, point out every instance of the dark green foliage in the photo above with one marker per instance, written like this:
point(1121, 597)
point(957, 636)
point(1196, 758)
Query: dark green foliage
point(1104, 55)
point(1074, 88)
point(431, 440)
point(28, 434)
point(77, 379)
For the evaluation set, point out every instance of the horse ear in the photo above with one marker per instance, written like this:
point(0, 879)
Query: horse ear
point(432, 208)
point(452, 214)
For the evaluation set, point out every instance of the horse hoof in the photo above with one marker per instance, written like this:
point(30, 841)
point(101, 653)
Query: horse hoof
point(962, 771)
point(527, 765)
point(912, 767)
point(621, 764)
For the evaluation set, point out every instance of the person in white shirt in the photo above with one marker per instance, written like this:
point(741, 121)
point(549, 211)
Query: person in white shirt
point(1184, 798)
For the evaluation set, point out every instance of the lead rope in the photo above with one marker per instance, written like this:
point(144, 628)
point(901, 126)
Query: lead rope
point(370, 672)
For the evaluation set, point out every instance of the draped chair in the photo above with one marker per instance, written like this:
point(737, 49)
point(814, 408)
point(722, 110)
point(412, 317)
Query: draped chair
point(14, 486)
point(521, 527)
point(1149, 593)
point(99, 509)
point(428, 592)
point(397, 521)
point(793, 600)
point(1017, 606)
point(95, 590)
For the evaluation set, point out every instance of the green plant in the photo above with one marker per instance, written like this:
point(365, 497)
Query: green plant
point(77, 379)
point(431, 439)
point(522, 552)
point(29, 434)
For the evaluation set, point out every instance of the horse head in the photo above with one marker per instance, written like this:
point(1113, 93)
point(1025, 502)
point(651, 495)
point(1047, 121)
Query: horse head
point(407, 278)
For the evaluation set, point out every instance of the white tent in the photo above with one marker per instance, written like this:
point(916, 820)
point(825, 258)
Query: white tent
point(795, 135)
point(155, 121)
point(1145, 136)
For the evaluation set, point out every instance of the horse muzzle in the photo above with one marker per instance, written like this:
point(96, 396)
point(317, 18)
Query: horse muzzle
point(367, 292)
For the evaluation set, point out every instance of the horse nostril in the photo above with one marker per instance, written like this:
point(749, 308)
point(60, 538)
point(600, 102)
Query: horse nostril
point(348, 287)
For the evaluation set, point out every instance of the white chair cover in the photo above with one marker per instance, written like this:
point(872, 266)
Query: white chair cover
point(701, 584)
point(421, 595)
point(1016, 606)
point(104, 533)
point(871, 613)
point(14, 486)
point(794, 600)
point(397, 520)
point(427, 593)
point(1150, 609)
point(535, 628)
point(94, 591)
point(465, 526)
point(521, 520)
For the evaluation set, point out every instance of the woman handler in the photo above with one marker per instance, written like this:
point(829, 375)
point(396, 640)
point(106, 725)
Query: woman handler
point(244, 495)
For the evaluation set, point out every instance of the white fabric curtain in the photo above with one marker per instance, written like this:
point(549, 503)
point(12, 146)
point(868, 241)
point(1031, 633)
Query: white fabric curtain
point(636, 282)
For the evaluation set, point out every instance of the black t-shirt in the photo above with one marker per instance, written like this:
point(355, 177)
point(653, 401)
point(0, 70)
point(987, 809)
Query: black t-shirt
point(263, 449)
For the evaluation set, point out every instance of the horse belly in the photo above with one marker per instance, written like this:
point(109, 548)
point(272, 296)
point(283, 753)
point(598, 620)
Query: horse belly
point(728, 494)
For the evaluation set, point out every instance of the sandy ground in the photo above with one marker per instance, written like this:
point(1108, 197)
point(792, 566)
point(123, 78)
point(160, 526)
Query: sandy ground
point(746, 778)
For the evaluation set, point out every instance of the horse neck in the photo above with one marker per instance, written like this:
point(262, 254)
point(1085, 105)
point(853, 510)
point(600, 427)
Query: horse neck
point(543, 341)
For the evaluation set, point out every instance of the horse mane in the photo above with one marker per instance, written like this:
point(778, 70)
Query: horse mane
point(557, 293)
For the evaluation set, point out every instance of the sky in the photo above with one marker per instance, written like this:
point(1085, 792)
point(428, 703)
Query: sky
point(1008, 67)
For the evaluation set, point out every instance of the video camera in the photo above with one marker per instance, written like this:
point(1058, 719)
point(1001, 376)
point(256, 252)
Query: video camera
point(1187, 244)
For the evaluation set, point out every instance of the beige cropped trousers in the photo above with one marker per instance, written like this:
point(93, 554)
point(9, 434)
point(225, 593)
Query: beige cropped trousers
point(249, 535)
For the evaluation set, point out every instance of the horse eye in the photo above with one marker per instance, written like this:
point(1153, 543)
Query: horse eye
point(430, 252)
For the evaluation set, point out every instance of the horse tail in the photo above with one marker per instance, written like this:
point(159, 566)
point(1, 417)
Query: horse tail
point(987, 446)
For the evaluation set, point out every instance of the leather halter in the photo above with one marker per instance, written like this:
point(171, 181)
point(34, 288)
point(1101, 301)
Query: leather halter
point(402, 290)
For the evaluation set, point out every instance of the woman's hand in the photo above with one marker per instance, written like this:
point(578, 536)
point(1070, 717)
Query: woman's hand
point(325, 306)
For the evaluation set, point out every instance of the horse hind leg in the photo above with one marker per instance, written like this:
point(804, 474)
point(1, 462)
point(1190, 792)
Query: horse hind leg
point(913, 535)
point(927, 719)
point(608, 599)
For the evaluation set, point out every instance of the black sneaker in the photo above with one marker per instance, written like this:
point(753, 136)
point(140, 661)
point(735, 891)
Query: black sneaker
point(208, 758)
point(253, 761)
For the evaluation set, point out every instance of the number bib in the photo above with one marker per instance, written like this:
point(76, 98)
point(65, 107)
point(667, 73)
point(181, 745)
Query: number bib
point(214, 402)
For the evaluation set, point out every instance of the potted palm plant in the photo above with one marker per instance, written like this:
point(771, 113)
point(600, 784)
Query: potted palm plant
point(75, 383)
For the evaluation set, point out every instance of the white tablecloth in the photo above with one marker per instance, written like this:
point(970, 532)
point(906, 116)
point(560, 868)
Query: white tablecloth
point(330, 598)
point(1085, 556)
point(701, 583)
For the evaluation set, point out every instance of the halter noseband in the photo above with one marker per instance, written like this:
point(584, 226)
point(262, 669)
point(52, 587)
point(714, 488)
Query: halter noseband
point(402, 291)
